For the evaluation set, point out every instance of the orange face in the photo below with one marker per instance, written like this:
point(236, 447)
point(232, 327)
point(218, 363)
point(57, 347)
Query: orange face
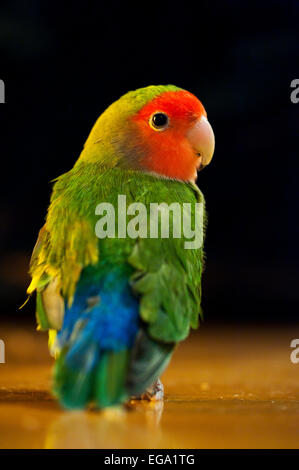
point(177, 138)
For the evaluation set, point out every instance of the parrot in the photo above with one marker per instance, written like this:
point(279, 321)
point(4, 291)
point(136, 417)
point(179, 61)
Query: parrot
point(115, 307)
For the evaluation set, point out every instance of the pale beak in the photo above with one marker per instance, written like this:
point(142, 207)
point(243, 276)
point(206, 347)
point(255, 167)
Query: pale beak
point(202, 140)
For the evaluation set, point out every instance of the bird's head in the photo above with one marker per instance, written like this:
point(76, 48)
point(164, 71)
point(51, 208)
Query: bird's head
point(163, 130)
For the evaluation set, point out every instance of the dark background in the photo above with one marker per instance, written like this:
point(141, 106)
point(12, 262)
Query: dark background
point(63, 63)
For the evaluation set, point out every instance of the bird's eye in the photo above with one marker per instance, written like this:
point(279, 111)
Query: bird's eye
point(159, 121)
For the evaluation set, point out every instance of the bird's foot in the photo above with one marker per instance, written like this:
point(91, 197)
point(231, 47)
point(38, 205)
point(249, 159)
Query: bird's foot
point(153, 393)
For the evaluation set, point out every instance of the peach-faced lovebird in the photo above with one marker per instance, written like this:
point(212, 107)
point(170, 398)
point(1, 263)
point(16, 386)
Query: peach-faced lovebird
point(116, 291)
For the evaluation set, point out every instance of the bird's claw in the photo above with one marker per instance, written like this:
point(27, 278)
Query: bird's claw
point(153, 393)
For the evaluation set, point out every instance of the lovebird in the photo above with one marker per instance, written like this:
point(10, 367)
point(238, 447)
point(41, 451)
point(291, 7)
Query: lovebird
point(117, 293)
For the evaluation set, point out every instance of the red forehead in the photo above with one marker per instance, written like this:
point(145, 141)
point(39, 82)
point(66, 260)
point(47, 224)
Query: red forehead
point(177, 104)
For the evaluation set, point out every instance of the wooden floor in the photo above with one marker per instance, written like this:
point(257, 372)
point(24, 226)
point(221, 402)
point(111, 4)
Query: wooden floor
point(225, 388)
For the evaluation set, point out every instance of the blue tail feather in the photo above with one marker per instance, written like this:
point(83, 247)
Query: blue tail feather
point(98, 331)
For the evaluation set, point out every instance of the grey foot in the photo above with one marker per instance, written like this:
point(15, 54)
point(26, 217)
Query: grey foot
point(153, 393)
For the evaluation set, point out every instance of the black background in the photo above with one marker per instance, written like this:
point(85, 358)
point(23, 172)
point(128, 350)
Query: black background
point(63, 63)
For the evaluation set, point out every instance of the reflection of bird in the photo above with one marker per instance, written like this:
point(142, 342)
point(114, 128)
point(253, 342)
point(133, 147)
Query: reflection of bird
point(119, 304)
point(111, 429)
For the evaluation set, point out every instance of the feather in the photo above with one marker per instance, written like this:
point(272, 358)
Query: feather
point(148, 360)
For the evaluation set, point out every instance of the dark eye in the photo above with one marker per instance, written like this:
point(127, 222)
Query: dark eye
point(159, 121)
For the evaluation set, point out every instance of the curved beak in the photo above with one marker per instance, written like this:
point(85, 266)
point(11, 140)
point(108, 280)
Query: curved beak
point(202, 140)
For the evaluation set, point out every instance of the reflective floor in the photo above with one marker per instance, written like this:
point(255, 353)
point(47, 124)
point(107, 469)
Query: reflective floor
point(225, 388)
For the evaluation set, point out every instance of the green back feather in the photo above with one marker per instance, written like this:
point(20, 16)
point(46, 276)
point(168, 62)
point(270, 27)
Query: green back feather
point(167, 276)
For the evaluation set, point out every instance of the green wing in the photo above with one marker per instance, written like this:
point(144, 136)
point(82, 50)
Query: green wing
point(49, 302)
point(166, 276)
